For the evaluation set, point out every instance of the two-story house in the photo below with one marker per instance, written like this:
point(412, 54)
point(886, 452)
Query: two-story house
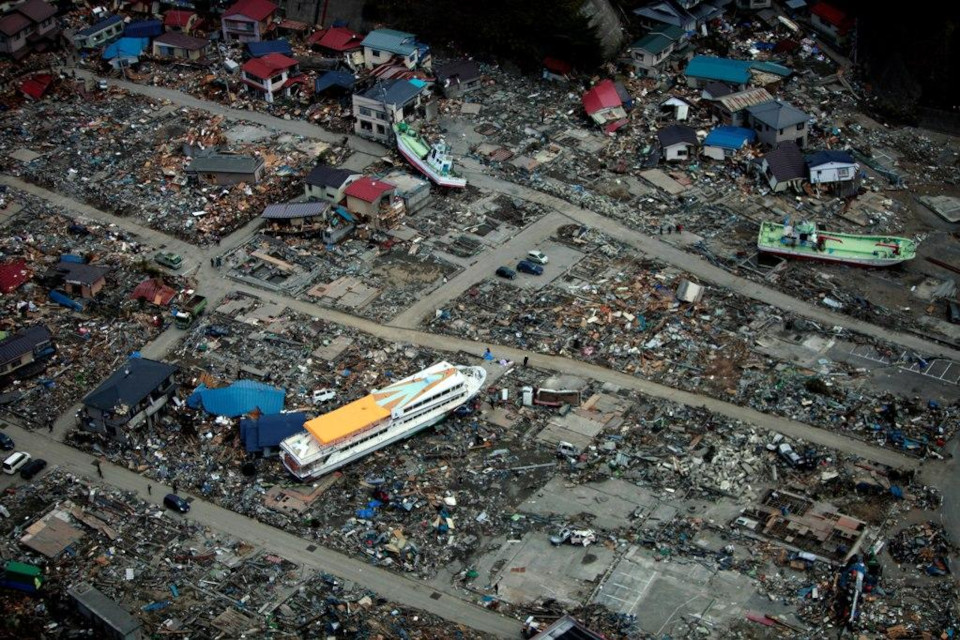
point(339, 42)
point(98, 34)
point(25, 348)
point(27, 27)
point(328, 183)
point(132, 396)
point(248, 20)
point(778, 121)
point(383, 104)
point(383, 45)
point(833, 23)
point(272, 75)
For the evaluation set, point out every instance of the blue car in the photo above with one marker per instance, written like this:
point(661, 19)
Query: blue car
point(506, 272)
point(176, 503)
point(6, 442)
point(525, 266)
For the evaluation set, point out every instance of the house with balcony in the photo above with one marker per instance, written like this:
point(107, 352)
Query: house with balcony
point(29, 26)
point(98, 34)
point(383, 104)
point(248, 20)
point(273, 75)
point(132, 397)
point(385, 45)
point(24, 348)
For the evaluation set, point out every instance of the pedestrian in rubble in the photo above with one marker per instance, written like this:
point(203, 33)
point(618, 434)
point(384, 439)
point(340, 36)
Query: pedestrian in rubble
point(679, 228)
point(212, 262)
point(50, 427)
point(149, 489)
point(173, 486)
point(526, 359)
point(99, 469)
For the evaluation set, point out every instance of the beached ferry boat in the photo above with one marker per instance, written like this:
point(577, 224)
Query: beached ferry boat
point(381, 418)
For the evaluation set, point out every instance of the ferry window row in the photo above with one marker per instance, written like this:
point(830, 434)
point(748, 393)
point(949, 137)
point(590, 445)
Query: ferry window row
point(432, 399)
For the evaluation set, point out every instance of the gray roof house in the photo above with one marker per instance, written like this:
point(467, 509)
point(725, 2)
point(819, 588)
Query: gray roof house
point(386, 102)
point(677, 142)
point(327, 183)
point(778, 121)
point(458, 77)
point(24, 347)
point(226, 169)
point(297, 217)
point(784, 167)
point(85, 280)
point(132, 395)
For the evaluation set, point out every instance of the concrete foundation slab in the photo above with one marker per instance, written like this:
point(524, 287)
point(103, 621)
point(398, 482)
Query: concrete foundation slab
point(611, 502)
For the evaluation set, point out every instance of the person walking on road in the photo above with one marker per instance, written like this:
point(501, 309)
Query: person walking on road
point(99, 469)
point(149, 489)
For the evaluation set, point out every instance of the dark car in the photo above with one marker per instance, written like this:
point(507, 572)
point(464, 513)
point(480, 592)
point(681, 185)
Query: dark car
point(506, 272)
point(217, 330)
point(176, 503)
point(525, 266)
point(6, 442)
point(32, 468)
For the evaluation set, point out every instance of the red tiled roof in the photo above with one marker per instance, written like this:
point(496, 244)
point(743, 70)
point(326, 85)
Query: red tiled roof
point(830, 14)
point(368, 189)
point(12, 275)
point(36, 85)
point(153, 290)
point(293, 25)
point(265, 67)
point(603, 96)
point(337, 39)
point(177, 18)
point(258, 10)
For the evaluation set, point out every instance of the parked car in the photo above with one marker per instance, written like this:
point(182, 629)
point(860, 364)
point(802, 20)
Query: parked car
point(176, 503)
point(321, 396)
point(13, 463)
point(584, 537)
point(168, 259)
point(525, 266)
point(567, 450)
point(537, 257)
point(6, 442)
point(953, 312)
point(506, 272)
point(102, 85)
point(787, 453)
point(32, 468)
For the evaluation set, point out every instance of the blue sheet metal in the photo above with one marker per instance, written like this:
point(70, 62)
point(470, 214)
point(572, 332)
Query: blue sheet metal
point(126, 48)
point(243, 396)
point(143, 29)
point(270, 431)
point(260, 49)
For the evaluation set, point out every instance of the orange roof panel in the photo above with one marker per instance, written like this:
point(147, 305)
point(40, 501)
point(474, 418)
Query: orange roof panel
point(347, 420)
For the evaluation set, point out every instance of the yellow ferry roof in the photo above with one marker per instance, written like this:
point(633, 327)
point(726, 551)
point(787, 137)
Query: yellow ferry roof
point(346, 420)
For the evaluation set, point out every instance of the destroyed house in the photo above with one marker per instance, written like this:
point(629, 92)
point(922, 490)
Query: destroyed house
point(382, 45)
point(247, 20)
point(836, 170)
point(778, 121)
point(667, 13)
point(605, 106)
point(263, 435)
point(13, 274)
point(832, 22)
point(386, 102)
point(131, 396)
point(29, 26)
point(111, 621)
point(704, 69)
point(724, 142)
point(226, 170)
point(180, 20)
point(374, 199)
point(567, 628)
point(154, 291)
point(732, 107)
point(650, 53)
point(457, 78)
point(99, 34)
point(328, 183)
point(24, 348)
point(303, 217)
point(77, 278)
point(271, 75)
point(339, 42)
point(784, 167)
point(175, 44)
point(677, 142)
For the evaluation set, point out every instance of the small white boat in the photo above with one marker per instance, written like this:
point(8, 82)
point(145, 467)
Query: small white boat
point(432, 161)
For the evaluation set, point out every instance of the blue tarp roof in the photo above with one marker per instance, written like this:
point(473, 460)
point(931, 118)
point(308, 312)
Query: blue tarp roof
point(335, 79)
point(270, 431)
point(260, 49)
point(143, 29)
point(729, 137)
point(243, 396)
point(126, 48)
point(722, 69)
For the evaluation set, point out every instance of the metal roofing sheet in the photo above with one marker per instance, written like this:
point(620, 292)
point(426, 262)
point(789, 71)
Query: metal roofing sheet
point(260, 49)
point(243, 396)
point(294, 210)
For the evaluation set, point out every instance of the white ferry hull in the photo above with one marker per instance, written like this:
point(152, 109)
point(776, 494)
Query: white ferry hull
point(427, 170)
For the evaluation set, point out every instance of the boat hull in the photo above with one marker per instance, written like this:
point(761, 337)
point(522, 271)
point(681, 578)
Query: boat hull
point(425, 169)
point(823, 257)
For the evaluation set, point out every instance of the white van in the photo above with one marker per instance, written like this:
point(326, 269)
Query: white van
point(15, 461)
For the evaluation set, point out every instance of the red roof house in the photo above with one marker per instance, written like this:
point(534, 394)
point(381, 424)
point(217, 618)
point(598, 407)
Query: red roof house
point(153, 290)
point(248, 20)
point(339, 39)
point(267, 66)
point(36, 86)
point(12, 275)
point(368, 189)
point(604, 105)
point(179, 20)
point(831, 21)
point(258, 10)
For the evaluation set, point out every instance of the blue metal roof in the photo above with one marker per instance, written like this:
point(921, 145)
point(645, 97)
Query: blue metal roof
point(99, 26)
point(771, 67)
point(260, 49)
point(395, 92)
point(398, 42)
point(729, 137)
point(126, 48)
point(341, 79)
point(143, 29)
point(270, 431)
point(722, 69)
point(243, 396)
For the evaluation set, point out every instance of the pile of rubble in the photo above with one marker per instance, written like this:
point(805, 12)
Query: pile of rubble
point(925, 546)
